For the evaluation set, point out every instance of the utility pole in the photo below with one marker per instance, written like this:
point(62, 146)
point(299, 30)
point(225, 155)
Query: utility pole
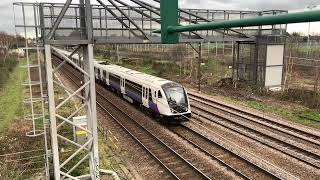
point(199, 66)
point(308, 43)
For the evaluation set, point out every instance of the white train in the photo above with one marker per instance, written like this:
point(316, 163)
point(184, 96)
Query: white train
point(166, 98)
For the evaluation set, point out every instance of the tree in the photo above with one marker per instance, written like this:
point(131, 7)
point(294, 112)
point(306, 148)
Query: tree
point(293, 44)
point(6, 42)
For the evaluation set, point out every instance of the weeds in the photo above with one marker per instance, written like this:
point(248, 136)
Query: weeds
point(10, 171)
point(306, 97)
point(5, 69)
point(11, 98)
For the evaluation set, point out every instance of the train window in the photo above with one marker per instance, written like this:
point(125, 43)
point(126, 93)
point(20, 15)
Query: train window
point(159, 94)
point(104, 74)
point(134, 87)
point(143, 92)
point(150, 95)
point(114, 79)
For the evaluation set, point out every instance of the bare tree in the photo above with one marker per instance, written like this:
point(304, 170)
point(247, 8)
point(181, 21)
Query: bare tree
point(294, 40)
point(6, 42)
point(177, 53)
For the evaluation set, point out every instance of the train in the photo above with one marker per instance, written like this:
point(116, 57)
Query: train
point(163, 97)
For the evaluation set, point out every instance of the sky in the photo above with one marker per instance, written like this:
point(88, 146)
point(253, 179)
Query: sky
point(7, 19)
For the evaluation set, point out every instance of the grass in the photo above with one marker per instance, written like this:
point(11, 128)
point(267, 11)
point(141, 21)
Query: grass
point(10, 171)
point(12, 129)
point(111, 156)
point(217, 70)
point(306, 117)
point(148, 69)
point(11, 98)
point(6, 68)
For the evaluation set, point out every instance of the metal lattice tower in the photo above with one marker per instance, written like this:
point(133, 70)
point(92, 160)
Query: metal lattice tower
point(89, 149)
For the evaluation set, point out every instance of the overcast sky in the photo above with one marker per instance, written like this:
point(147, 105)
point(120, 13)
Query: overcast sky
point(7, 22)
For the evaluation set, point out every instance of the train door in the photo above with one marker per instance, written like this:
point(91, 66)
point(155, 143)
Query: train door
point(151, 100)
point(155, 96)
point(81, 64)
point(78, 61)
point(161, 102)
point(107, 78)
point(145, 97)
point(103, 76)
point(123, 85)
point(98, 74)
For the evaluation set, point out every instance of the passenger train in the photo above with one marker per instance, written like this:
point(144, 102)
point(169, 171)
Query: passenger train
point(165, 98)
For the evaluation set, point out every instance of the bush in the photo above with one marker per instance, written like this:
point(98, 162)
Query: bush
point(5, 69)
point(305, 97)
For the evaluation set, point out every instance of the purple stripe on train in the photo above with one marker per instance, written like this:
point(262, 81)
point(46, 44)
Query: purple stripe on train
point(153, 106)
point(115, 86)
point(134, 96)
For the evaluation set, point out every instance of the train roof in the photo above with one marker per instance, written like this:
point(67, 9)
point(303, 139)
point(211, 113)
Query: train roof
point(142, 77)
point(130, 74)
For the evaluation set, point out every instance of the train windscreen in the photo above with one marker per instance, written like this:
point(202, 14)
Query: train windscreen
point(176, 97)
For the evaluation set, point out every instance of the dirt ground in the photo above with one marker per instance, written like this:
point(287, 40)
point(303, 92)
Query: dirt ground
point(21, 165)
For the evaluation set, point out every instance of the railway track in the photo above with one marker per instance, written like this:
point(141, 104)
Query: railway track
point(297, 144)
point(298, 132)
point(176, 165)
point(242, 168)
point(181, 167)
point(231, 161)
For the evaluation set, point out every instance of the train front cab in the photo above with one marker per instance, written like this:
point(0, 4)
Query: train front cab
point(177, 102)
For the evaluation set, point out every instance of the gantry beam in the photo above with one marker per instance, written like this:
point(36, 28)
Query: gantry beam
point(118, 18)
point(130, 20)
point(120, 22)
point(170, 29)
point(204, 19)
point(300, 17)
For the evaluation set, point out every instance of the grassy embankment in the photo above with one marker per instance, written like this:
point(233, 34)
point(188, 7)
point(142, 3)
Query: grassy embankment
point(305, 116)
point(308, 117)
point(11, 97)
point(12, 130)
